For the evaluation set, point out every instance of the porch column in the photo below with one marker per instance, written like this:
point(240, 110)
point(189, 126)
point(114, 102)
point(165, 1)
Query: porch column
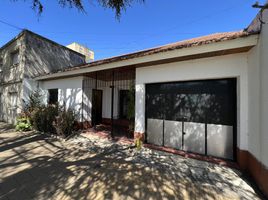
point(140, 111)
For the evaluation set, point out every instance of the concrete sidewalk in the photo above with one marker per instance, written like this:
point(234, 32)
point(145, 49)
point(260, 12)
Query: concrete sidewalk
point(34, 166)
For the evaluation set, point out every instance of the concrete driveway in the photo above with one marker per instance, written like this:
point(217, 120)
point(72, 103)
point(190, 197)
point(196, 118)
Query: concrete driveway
point(34, 166)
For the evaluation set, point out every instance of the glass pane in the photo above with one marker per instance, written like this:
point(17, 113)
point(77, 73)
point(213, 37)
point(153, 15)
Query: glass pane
point(15, 58)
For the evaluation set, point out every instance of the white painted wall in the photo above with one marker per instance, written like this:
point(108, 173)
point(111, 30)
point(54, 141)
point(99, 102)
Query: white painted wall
point(264, 90)
point(254, 138)
point(70, 92)
point(258, 95)
point(106, 102)
point(208, 68)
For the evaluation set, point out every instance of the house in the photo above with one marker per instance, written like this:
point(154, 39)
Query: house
point(26, 56)
point(205, 95)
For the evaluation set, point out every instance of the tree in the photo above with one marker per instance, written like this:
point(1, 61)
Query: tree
point(116, 5)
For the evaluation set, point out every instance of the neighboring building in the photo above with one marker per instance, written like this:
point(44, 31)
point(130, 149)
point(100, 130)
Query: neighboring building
point(83, 50)
point(207, 95)
point(26, 56)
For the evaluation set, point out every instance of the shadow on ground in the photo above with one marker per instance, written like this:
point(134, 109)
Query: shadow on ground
point(37, 167)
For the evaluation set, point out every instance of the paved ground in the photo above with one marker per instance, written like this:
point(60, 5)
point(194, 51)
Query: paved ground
point(34, 166)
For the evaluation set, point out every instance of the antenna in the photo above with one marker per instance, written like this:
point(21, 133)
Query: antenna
point(262, 7)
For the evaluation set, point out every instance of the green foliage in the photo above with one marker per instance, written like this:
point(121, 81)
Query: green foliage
point(52, 119)
point(64, 122)
point(116, 5)
point(131, 107)
point(23, 124)
point(33, 105)
point(35, 100)
point(138, 143)
point(44, 117)
point(131, 103)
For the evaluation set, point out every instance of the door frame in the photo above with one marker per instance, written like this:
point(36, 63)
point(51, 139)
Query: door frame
point(234, 79)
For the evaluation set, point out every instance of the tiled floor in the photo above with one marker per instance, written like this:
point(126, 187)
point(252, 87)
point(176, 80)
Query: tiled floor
point(34, 166)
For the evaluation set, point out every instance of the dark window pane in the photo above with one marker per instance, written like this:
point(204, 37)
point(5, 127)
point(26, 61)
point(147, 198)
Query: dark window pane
point(53, 96)
point(210, 101)
point(124, 101)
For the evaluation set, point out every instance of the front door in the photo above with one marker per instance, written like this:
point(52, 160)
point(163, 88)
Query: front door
point(96, 107)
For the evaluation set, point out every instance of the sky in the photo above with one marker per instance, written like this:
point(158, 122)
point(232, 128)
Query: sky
point(141, 26)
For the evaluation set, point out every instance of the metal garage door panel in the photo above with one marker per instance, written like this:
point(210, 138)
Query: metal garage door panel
point(173, 134)
point(194, 138)
point(220, 141)
point(155, 131)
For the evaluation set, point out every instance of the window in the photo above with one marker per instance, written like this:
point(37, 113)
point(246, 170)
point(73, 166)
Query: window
point(1, 106)
point(124, 100)
point(15, 58)
point(13, 100)
point(1, 64)
point(52, 96)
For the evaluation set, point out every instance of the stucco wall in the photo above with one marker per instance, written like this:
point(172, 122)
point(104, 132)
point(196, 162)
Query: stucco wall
point(43, 56)
point(8, 113)
point(11, 80)
point(208, 68)
point(37, 56)
point(264, 90)
point(69, 92)
point(254, 138)
point(258, 94)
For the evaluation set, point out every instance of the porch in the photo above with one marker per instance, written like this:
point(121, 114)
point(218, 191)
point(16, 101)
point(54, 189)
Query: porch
point(109, 101)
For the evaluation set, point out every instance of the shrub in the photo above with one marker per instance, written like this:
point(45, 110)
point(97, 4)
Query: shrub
point(44, 117)
point(131, 107)
point(51, 119)
point(34, 102)
point(64, 122)
point(138, 142)
point(23, 124)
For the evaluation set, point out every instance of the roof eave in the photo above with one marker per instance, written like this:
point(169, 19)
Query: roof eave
point(237, 43)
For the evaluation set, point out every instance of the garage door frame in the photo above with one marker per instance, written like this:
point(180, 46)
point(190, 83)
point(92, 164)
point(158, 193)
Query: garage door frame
point(234, 79)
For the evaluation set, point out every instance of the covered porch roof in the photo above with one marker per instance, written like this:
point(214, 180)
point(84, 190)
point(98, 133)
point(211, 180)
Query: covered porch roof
point(207, 46)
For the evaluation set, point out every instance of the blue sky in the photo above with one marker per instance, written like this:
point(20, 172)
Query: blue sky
point(154, 23)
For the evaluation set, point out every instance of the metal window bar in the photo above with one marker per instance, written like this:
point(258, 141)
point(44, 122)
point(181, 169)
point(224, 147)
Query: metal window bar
point(116, 80)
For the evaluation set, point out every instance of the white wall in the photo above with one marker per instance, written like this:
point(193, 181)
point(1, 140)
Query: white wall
point(70, 92)
point(254, 138)
point(208, 68)
point(106, 103)
point(258, 94)
point(264, 90)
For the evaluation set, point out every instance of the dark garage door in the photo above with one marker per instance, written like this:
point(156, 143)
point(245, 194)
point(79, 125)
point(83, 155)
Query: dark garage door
point(196, 116)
